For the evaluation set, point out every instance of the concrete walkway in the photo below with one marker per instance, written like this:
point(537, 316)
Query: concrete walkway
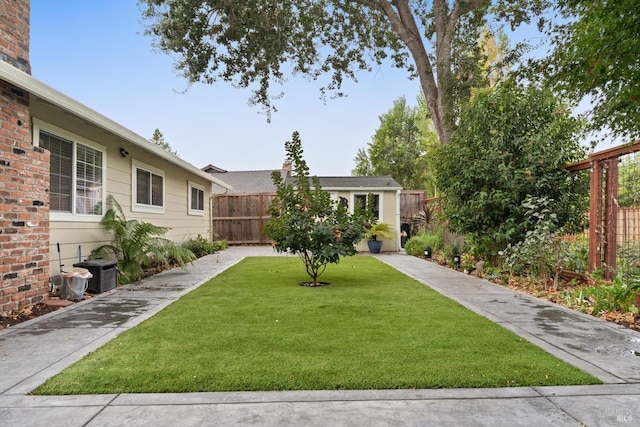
point(33, 351)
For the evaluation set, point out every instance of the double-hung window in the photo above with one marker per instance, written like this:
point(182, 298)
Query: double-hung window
point(363, 199)
point(147, 188)
point(76, 174)
point(196, 199)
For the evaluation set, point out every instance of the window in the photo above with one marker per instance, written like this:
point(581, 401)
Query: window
point(361, 200)
point(148, 188)
point(196, 199)
point(76, 174)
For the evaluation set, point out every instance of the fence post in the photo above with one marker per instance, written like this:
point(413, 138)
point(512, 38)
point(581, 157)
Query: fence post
point(595, 216)
point(611, 219)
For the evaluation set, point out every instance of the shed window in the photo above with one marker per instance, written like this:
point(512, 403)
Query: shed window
point(362, 199)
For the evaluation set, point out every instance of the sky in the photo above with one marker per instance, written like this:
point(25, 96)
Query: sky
point(94, 51)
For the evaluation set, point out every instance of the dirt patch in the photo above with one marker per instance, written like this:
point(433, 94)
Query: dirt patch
point(313, 285)
point(13, 317)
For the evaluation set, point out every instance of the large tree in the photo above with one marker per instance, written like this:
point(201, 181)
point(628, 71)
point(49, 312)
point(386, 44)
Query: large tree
point(253, 43)
point(400, 146)
point(597, 57)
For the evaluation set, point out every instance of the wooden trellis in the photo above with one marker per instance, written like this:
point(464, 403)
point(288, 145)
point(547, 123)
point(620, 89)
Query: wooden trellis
point(603, 206)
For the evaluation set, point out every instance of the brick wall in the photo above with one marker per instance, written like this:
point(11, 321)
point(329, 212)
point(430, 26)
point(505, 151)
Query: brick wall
point(24, 176)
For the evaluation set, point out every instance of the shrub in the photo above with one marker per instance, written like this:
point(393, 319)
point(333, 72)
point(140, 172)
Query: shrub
point(512, 142)
point(604, 298)
point(629, 259)
point(579, 255)
point(626, 294)
point(416, 244)
point(542, 253)
point(138, 244)
point(201, 246)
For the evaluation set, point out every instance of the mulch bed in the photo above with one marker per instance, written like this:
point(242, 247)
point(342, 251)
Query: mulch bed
point(10, 318)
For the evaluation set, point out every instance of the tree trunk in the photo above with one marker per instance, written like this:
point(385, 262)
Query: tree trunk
point(445, 20)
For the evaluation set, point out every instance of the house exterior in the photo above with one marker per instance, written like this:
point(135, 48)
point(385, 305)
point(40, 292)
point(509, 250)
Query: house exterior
point(58, 162)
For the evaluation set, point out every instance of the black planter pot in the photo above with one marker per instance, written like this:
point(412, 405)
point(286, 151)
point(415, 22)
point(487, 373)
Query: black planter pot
point(374, 246)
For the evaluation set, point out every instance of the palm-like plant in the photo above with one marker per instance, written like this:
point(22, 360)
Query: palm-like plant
point(379, 229)
point(138, 244)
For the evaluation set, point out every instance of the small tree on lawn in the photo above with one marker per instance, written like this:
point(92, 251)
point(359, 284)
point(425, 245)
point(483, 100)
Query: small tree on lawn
point(305, 221)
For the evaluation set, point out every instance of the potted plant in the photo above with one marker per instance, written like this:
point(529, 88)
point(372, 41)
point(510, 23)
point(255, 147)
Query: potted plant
point(380, 230)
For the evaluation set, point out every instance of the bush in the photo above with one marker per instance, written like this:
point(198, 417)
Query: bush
point(201, 246)
point(579, 255)
point(138, 245)
point(543, 252)
point(512, 142)
point(600, 299)
point(416, 244)
point(629, 259)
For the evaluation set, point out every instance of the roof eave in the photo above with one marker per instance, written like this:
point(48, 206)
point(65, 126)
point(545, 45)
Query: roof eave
point(362, 188)
point(35, 87)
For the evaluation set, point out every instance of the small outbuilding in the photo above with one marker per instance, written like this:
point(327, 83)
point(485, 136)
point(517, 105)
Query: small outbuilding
point(239, 213)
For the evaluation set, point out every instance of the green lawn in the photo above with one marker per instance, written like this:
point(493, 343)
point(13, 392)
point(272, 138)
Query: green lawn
point(253, 328)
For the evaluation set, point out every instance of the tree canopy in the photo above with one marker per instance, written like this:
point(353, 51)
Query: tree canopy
point(399, 148)
point(158, 139)
point(254, 43)
point(510, 146)
point(597, 57)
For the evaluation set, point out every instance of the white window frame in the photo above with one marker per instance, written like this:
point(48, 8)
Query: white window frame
point(354, 194)
point(142, 207)
point(197, 212)
point(40, 125)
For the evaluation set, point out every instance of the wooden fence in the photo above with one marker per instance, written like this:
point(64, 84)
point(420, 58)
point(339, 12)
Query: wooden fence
point(410, 204)
point(239, 218)
point(604, 210)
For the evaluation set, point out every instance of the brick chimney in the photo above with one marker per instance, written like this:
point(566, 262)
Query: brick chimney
point(14, 27)
point(24, 176)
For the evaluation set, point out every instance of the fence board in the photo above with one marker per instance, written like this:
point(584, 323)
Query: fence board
point(410, 204)
point(239, 218)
